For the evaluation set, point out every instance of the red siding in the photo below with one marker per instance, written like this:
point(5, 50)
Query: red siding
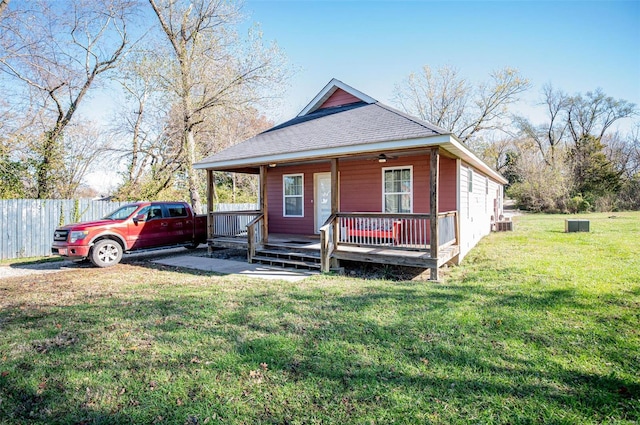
point(338, 98)
point(361, 184)
point(360, 189)
point(292, 225)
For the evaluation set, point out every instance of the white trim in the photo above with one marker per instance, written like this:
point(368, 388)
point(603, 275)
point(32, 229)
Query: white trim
point(399, 167)
point(285, 196)
point(316, 198)
point(330, 89)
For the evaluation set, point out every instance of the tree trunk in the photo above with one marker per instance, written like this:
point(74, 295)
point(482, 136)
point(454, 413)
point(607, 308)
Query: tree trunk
point(192, 181)
point(3, 5)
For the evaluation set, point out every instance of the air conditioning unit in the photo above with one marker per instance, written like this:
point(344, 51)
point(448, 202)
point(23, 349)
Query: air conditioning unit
point(504, 226)
point(573, 225)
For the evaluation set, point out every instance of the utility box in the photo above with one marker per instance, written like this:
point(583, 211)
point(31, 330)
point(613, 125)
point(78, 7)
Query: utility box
point(576, 225)
point(504, 226)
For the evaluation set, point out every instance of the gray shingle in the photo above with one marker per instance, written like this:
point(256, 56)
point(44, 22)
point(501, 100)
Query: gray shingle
point(342, 126)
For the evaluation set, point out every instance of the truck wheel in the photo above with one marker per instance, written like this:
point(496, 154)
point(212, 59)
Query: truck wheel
point(106, 253)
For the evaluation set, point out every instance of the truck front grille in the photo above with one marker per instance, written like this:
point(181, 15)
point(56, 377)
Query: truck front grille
point(60, 235)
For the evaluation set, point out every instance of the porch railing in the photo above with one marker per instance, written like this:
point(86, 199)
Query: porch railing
point(447, 229)
point(399, 231)
point(255, 236)
point(389, 231)
point(328, 242)
point(231, 224)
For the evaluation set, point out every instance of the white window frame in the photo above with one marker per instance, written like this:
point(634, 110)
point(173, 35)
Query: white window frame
point(470, 180)
point(285, 196)
point(406, 167)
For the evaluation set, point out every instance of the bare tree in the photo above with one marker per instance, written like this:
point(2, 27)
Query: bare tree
point(227, 128)
point(211, 68)
point(143, 123)
point(83, 145)
point(549, 136)
point(448, 100)
point(58, 54)
point(593, 113)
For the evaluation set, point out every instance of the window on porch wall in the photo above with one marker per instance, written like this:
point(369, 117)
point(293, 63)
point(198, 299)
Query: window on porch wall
point(397, 190)
point(293, 195)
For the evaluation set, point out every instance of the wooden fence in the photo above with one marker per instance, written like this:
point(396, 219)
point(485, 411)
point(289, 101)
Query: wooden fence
point(27, 225)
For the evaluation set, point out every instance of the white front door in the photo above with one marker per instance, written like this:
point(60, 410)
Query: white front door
point(322, 198)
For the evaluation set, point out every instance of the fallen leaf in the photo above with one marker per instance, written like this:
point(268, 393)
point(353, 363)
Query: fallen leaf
point(263, 366)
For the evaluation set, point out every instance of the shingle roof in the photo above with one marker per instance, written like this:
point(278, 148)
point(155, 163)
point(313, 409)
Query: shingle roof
point(341, 126)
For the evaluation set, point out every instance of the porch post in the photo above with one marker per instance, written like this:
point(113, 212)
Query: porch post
point(263, 203)
point(335, 207)
point(335, 196)
point(434, 174)
point(210, 222)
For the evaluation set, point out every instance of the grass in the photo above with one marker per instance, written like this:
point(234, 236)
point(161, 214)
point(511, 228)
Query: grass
point(536, 326)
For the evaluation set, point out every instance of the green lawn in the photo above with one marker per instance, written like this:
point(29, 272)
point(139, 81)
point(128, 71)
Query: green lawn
point(536, 326)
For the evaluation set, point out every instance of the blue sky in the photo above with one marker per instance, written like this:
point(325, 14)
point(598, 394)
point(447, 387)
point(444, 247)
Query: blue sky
point(373, 45)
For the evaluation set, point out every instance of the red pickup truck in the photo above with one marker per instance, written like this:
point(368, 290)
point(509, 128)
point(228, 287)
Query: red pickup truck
point(133, 227)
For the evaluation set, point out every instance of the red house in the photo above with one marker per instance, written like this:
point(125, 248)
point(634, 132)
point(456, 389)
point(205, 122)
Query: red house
point(352, 179)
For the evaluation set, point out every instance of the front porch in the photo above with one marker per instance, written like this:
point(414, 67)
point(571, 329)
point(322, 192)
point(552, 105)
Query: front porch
point(395, 239)
point(406, 239)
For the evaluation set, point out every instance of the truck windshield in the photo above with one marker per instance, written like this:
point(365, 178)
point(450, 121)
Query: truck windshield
point(122, 213)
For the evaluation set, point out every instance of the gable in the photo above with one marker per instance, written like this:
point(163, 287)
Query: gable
point(339, 98)
point(345, 93)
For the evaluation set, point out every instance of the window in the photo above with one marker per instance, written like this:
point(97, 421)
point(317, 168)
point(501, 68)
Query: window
point(122, 213)
point(293, 198)
point(470, 180)
point(397, 190)
point(155, 212)
point(177, 210)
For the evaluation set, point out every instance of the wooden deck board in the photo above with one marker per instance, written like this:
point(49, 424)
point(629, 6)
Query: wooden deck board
point(380, 255)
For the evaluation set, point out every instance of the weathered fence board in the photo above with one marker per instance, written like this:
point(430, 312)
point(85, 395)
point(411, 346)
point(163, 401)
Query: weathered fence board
point(27, 225)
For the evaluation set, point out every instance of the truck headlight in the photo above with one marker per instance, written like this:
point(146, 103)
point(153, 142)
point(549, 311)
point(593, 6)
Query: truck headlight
point(77, 235)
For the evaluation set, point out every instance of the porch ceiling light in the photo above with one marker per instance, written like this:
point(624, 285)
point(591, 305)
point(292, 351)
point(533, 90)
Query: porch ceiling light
point(272, 165)
point(382, 158)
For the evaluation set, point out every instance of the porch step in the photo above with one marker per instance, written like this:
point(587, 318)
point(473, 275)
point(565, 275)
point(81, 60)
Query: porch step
point(291, 259)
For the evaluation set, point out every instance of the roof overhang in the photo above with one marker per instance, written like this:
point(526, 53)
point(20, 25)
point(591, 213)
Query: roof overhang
point(447, 142)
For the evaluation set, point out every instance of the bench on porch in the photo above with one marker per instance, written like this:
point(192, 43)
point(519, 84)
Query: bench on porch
point(359, 230)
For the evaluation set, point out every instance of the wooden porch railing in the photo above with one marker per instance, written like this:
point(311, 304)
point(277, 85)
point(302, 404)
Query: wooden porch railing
point(327, 242)
point(231, 224)
point(255, 237)
point(384, 230)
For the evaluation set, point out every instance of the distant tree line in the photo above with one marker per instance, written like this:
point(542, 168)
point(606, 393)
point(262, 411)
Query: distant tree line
point(572, 162)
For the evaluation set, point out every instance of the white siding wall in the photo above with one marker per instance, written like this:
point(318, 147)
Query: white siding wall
point(476, 207)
